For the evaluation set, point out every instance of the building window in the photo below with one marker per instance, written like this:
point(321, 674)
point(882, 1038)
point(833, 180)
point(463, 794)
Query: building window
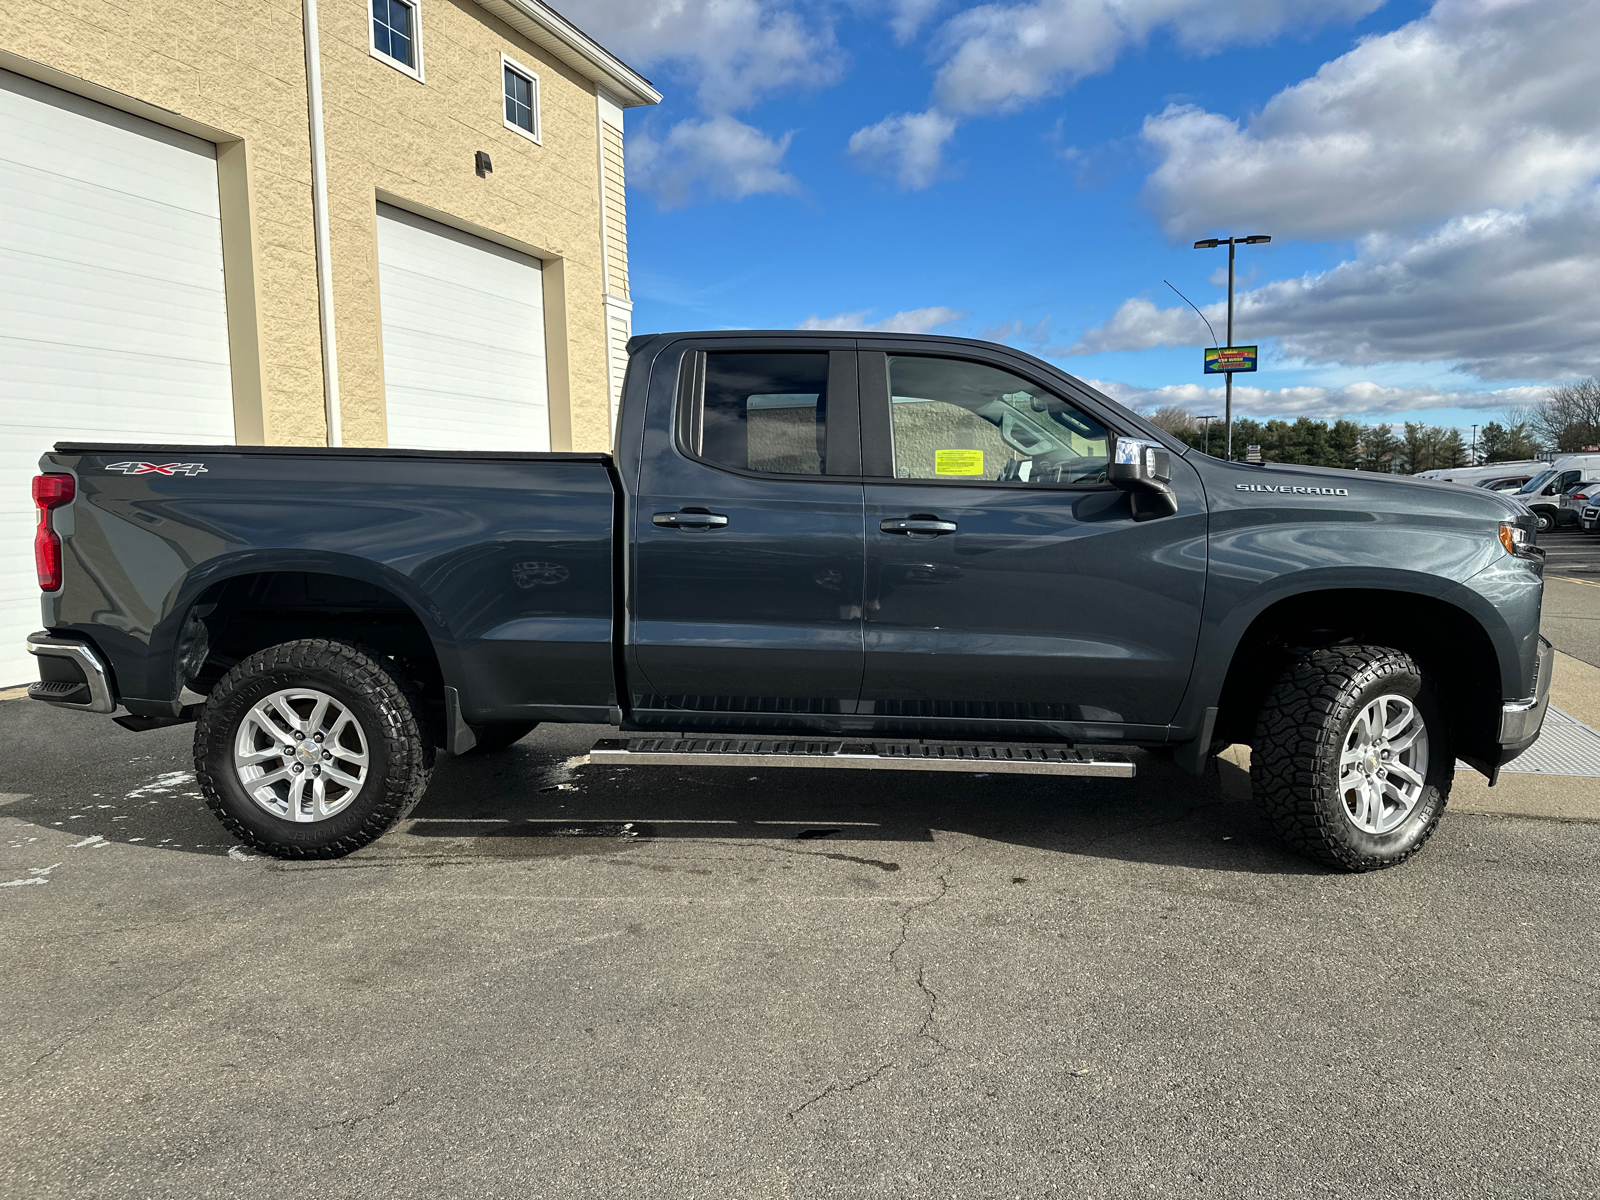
point(521, 97)
point(395, 36)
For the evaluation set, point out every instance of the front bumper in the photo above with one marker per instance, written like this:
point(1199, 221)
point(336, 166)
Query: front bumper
point(74, 674)
point(1521, 720)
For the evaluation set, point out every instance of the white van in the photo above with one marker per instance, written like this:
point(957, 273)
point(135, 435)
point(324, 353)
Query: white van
point(1542, 493)
point(1472, 475)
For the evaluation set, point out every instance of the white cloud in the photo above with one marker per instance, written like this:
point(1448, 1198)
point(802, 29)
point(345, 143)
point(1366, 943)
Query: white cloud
point(732, 52)
point(729, 55)
point(1503, 295)
point(908, 147)
point(997, 57)
point(719, 157)
point(916, 320)
point(1359, 400)
point(909, 16)
point(1478, 104)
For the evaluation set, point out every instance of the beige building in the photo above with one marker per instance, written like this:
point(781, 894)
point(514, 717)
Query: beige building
point(303, 222)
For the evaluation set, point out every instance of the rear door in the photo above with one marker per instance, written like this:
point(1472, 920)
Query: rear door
point(1009, 589)
point(745, 588)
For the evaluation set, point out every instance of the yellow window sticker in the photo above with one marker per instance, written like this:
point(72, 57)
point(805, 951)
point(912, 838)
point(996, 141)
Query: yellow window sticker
point(958, 462)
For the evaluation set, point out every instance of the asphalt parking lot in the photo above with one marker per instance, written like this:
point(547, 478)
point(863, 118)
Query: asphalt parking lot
point(559, 981)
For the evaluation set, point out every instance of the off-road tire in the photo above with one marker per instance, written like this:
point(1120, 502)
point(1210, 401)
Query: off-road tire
point(1294, 760)
point(385, 701)
point(500, 736)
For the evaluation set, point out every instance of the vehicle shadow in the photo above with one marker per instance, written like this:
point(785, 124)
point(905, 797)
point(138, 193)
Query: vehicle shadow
point(537, 800)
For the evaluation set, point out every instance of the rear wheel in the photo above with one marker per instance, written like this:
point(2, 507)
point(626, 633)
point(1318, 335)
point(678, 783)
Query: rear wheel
point(312, 749)
point(1351, 761)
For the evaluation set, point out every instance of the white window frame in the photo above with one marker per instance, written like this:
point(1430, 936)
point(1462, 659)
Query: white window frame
point(509, 63)
point(416, 41)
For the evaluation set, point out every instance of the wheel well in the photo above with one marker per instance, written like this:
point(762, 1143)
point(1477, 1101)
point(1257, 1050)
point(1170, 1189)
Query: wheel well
point(233, 619)
point(1447, 643)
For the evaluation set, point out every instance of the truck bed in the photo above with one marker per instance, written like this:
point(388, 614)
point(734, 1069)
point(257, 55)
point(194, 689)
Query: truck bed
point(503, 560)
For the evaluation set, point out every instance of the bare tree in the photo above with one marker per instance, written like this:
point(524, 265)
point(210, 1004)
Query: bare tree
point(1175, 419)
point(1570, 418)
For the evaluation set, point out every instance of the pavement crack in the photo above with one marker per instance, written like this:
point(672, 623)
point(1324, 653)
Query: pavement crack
point(928, 1030)
point(351, 1122)
point(839, 1089)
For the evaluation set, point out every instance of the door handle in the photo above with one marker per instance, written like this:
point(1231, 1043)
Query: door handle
point(926, 526)
point(690, 518)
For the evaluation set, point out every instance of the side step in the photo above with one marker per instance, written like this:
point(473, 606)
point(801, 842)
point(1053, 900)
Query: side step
point(871, 756)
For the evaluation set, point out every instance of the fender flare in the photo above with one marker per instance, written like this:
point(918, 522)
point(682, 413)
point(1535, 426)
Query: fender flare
point(1220, 640)
point(186, 592)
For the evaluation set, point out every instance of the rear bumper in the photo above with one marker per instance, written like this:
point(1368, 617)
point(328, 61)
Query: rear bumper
point(1520, 720)
point(74, 674)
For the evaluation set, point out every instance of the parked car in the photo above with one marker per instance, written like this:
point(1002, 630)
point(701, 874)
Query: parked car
point(1508, 483)
point(893, 552)
point(1573, 500)
point(1589, 517)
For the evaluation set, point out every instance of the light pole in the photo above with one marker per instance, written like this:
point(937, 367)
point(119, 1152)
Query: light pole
point(1255, 239)
point(1208, 418)
point(1474, 445)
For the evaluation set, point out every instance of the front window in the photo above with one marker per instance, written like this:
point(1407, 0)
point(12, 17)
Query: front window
point(394, 33)
point(1534, 484)
point(764, 412)
point(969, 422)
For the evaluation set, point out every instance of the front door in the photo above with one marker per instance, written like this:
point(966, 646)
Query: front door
point(1009, 589)
point(745, 591)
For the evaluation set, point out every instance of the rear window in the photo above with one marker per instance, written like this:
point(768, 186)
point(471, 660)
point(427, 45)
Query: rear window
point(764, 412)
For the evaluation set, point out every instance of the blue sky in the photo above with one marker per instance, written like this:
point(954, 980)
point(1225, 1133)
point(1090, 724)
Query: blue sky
point(1427, 171)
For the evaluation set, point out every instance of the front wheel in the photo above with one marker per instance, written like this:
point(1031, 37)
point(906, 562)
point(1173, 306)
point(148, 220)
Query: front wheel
point(312, 749)
point(1351, 761)
point(1545, 520)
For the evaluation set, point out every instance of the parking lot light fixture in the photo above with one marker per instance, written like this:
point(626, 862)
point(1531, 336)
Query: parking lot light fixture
point(1254, 239)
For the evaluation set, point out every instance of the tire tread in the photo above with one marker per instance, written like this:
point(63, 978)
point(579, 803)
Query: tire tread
point(405, 731)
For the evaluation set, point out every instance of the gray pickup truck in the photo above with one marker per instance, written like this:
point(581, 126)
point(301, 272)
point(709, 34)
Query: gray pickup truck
point(806, 549)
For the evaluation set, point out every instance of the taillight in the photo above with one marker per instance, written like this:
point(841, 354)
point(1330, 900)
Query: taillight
point(49, 492)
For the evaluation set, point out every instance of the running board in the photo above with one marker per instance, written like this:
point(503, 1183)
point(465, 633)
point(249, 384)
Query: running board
point(871, 756)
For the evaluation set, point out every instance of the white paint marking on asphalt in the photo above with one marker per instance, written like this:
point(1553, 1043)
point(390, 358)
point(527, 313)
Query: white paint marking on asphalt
point(91, 840)
point(161, 785)
point(37, 875)
point(238, 855)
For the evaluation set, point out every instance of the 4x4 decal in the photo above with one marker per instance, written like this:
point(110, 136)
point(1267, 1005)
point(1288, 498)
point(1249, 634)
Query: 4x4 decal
point(144, 468)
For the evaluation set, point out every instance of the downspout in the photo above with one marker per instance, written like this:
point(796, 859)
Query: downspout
point(319, 221)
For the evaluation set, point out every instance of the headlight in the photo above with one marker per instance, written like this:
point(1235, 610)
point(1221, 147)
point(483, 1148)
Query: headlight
point(1519, 541)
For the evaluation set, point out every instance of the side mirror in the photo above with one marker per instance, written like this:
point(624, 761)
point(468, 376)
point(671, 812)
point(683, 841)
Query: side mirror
point(1550, 490)
point(1144, 471)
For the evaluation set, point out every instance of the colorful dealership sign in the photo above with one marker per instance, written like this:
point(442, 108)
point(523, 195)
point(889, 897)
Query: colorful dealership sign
point(1224, 360)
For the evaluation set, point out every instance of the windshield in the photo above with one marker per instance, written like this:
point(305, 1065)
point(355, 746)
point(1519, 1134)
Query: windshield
point(1537, 482)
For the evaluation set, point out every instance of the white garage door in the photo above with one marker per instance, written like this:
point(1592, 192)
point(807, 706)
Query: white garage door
point(463, 339)
point(113, 325)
